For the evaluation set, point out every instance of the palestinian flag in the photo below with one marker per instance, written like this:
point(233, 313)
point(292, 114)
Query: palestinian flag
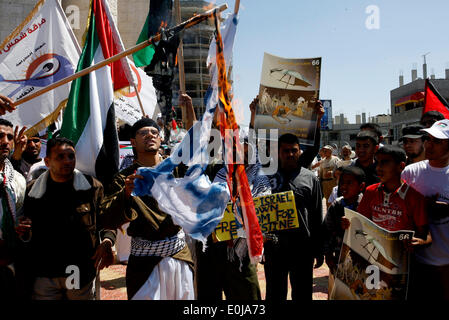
point(158, 17)
point(89, 118)
point(434, 101)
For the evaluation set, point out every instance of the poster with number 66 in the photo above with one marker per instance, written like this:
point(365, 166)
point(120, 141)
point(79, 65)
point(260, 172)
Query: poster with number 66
point(373, 264)
point(288, 91)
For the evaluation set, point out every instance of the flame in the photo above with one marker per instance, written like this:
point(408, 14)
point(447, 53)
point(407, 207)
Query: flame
point(163, 25)
point(226, 117)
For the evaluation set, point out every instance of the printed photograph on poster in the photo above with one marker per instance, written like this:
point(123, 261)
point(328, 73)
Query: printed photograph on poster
point(326, 120)
point(373, 264)
point(287, 95)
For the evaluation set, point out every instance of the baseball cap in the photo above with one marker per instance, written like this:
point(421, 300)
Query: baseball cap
point(412, 132)
point(439, 129)
point(328, 147)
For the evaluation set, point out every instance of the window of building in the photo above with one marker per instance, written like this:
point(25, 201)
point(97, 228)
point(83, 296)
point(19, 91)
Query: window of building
point(334, 136)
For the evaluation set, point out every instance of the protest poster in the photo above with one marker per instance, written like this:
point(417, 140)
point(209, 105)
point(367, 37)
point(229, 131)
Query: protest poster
point(288, 91)
point(274, 212)
point(373, 264)
point(39, 52)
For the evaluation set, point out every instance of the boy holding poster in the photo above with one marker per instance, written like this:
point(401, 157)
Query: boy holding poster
point(351, 184)
point(392, 204)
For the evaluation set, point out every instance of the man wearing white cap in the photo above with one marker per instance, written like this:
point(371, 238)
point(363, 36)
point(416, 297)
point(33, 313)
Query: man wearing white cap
point(327, 167)
point(430, 270)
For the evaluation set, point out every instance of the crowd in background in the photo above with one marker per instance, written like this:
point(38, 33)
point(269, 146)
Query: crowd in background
point(54, 217)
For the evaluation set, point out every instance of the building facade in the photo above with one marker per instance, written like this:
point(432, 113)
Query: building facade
point(344, 132)
point(407, 102)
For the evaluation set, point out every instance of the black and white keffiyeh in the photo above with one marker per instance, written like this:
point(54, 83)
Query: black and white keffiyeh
point(7, 207)
point(160, 248)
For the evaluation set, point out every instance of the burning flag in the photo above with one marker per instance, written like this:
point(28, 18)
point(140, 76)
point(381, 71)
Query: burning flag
point(236, 176)
point(159, 14)
point(194, 203)
point(434, 101)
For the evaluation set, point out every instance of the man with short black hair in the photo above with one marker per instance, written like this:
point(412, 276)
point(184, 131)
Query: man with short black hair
point(373, 127)
point(63, 205)
point(160, 266)
point(12, 193)
point(366, 146)
point(413, 144)
point(26, 152)
point(295, 250)
point(430, 117)
point(431, 178)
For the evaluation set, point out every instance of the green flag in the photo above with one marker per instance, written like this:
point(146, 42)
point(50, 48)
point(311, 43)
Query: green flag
point(158, 16)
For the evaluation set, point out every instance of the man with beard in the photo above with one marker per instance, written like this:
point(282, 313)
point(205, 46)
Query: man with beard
point(160, 265)
point(431, 178)
point(68, 246)
point(294, 252)
point(26, 152)
point(12, 194)
point(413, 144)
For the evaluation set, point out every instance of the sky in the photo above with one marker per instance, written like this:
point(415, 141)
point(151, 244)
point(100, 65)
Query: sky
point(362, 52)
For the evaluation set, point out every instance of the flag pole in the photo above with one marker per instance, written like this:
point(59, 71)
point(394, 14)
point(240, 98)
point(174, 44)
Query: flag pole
point(237, 6)
point(185, 25)
point(140, 101)
point(181, 71)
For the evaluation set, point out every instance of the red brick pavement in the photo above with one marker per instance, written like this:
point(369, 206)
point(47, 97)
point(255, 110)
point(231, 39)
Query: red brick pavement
point(113, 286)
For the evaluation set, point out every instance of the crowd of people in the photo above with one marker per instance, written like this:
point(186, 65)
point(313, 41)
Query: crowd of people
point(58, 225)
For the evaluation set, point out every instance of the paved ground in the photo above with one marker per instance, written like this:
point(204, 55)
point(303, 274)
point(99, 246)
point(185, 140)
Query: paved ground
point(113, 286)
point(113, 283)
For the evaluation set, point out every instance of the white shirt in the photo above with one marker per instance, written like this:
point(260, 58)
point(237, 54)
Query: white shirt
point(430, 181)
point(333, 196)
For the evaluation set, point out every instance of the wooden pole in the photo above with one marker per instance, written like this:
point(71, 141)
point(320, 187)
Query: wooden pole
point(140, 101)
point(237, 6)
point(185, 25)
point(182, 84)
point(181, 71)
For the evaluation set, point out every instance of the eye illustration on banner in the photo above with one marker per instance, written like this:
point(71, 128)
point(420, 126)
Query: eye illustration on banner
point(43, 71)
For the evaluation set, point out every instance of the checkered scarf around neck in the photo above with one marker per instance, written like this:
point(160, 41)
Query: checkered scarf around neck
point(8, 199)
